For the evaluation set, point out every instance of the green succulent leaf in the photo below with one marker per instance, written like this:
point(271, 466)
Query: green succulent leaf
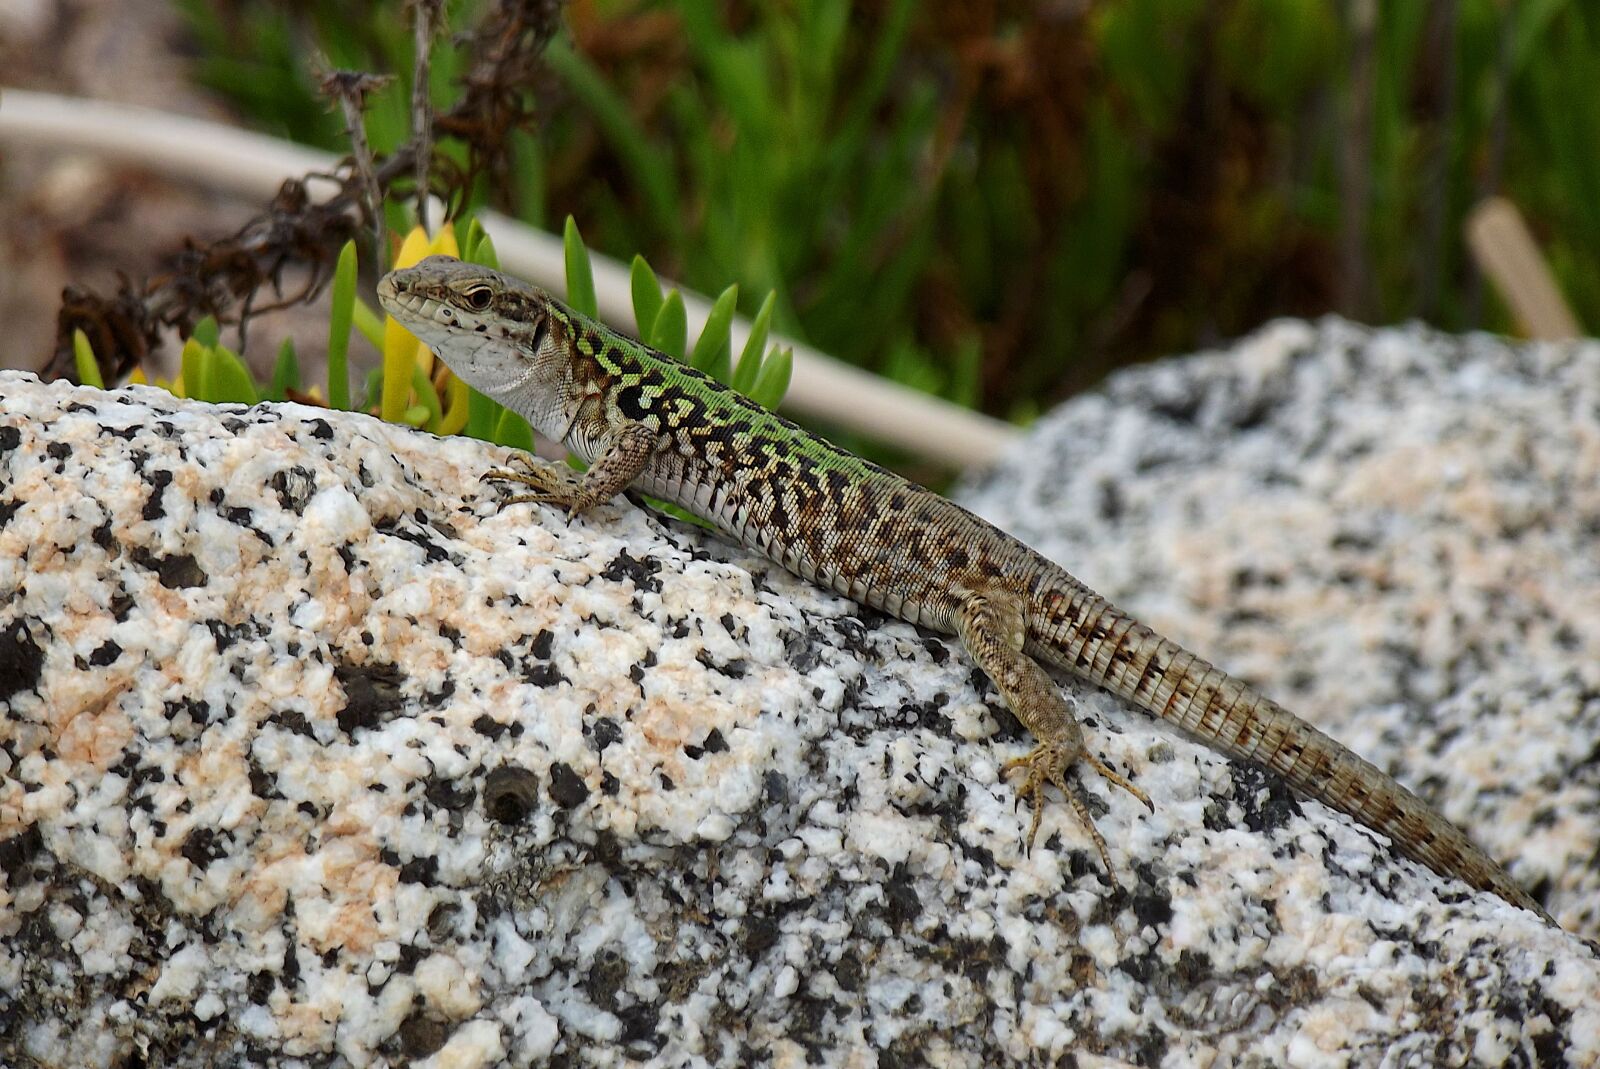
point(711, 352)
point(83, 359)
point(647, 299)
point(340, 316)
point(671, 331)
point(580, 274)
point(286, 372)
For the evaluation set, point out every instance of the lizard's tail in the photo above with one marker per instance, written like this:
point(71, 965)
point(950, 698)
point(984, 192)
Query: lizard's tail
point(1087, 635)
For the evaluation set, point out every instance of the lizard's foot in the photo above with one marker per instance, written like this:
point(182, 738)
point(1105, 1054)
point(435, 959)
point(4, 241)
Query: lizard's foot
point(550, 483)
point(1048, 763)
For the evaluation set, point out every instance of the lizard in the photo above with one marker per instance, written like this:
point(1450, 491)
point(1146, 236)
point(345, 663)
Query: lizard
point(644, 421)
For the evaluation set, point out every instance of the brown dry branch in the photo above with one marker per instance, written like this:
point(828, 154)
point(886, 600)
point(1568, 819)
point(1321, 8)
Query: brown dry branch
point(222, 278)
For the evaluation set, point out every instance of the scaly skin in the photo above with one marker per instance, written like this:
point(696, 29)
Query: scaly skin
point(645, 421)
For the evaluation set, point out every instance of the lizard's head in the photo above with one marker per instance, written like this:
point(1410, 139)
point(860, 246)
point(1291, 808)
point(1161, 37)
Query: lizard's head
point(498, 334)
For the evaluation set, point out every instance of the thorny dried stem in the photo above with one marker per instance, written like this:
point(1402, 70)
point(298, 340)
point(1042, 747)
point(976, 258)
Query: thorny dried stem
point(503, 72)
point(427, 21)
point(349, 90)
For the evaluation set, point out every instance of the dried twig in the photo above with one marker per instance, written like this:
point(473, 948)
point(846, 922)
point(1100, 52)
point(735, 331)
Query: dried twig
point(222, 278)
point(426, 22)
point(349, 90)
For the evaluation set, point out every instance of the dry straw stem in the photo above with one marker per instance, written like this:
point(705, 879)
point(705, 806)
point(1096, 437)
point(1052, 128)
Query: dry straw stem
point(1506, 251)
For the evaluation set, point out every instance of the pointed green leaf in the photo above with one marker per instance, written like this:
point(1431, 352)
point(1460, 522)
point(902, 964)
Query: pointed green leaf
point(744, 376)
point(716, 341)
point(647, 299)
point(369, 323)
point(580, 275)
point(485, 253)
point(195, 383)
point(206, 331)
point(513, 430)
point(671, 331)
point(773, 380)
point(83, 359)
point(483, 415)
point(427, 398)
point(340, 316)
point(374, 387)
point(285, 372)
point(230, 379)
point(469, 233)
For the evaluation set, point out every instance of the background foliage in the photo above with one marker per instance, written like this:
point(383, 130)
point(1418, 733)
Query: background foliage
point(1001, 201)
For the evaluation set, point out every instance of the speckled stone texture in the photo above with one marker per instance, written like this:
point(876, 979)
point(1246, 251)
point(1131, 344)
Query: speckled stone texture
point(311, 757)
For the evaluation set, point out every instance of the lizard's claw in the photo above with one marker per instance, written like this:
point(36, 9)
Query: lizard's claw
point(549, 486)
point(1046, 763)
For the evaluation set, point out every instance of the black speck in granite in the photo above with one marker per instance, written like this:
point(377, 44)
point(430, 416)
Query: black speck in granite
point(433, 553)
point(177, 572)
point(421, 870)
point(542, 675)
point(294, 486)
point(603, 731)
point(775, 785)
point(760, 935)
point(17, 851)
point(421, 1035)
point(372, 694)
point(448, 794)
point(21, 658)
point(204, 845)
point(641, 572)
point(904, 903)
point(489, 727)
point(567, 788)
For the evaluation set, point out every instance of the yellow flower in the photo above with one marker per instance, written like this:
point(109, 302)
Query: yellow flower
point(401, 350)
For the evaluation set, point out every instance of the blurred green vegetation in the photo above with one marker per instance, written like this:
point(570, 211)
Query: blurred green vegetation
point(1000, 202)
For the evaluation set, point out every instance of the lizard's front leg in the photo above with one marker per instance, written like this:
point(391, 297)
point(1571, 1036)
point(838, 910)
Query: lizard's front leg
point(993, 627)
point(619, 463)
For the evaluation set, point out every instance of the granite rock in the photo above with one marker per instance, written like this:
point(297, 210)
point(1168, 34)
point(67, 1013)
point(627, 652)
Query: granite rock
point(310, 756)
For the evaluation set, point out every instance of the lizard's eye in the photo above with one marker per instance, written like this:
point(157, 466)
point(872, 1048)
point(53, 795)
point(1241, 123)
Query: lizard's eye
point(478, 298)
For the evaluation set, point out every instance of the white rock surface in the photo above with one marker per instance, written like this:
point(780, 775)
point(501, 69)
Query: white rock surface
point(309, 756)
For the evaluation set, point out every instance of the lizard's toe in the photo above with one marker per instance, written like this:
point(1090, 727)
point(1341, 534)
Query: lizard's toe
point(1048, 762)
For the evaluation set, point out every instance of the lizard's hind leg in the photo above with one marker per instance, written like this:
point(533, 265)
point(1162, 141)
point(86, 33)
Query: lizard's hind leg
point(993, 627)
